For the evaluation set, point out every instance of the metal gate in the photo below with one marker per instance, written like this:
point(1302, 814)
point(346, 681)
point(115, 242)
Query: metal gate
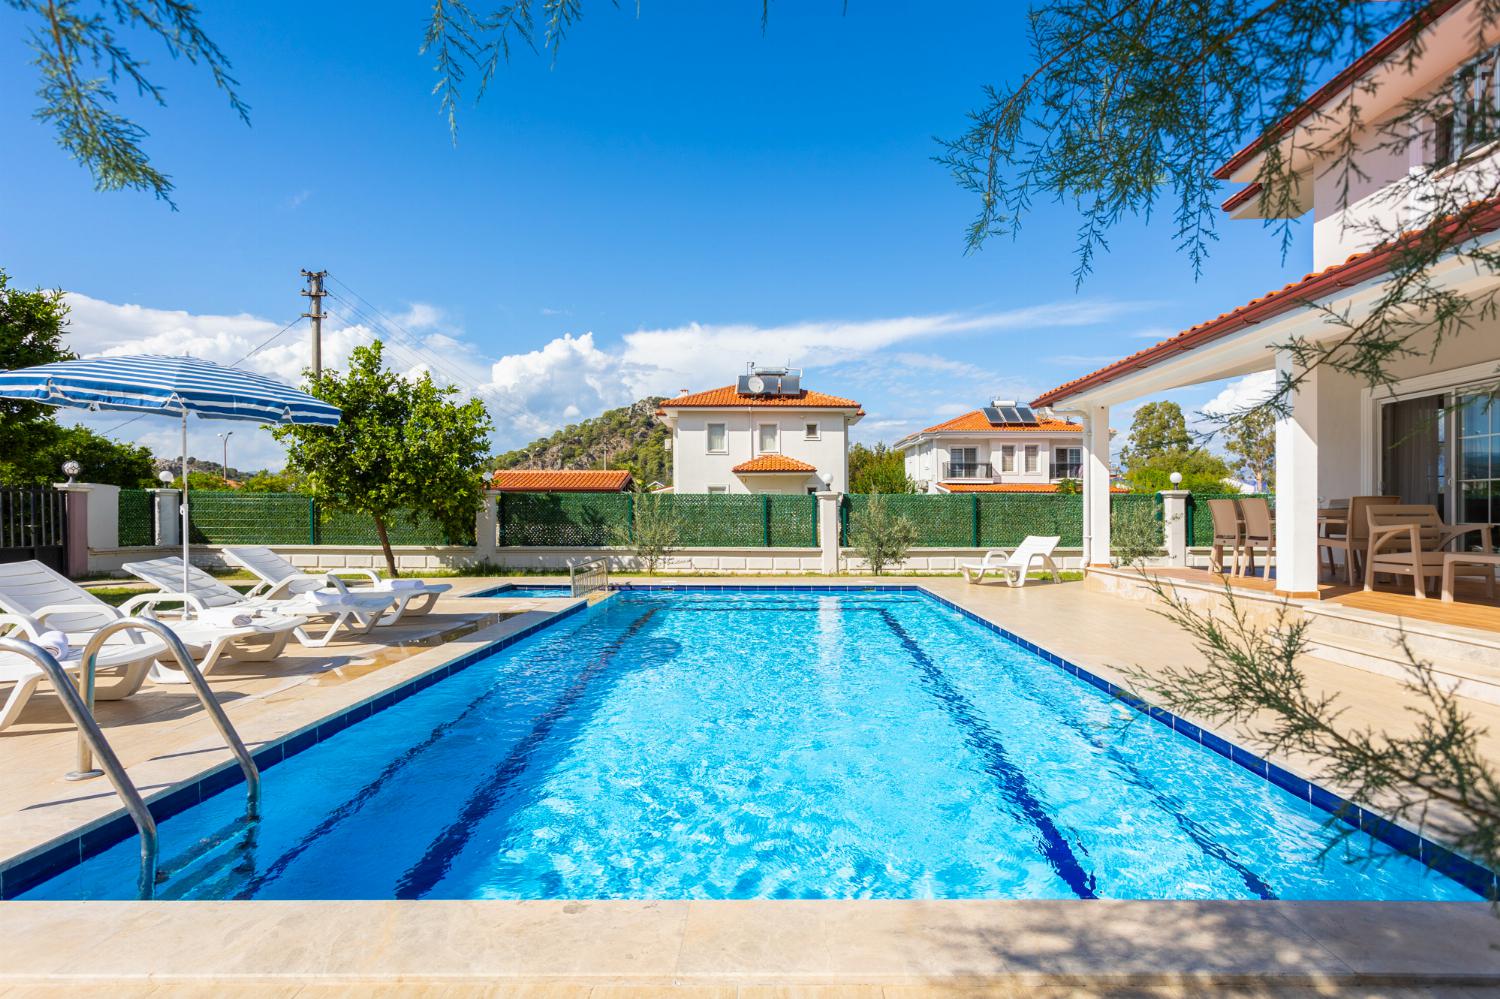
point(34, 525)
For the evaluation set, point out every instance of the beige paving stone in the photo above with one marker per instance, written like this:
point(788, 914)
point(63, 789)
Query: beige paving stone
point(1374, 938)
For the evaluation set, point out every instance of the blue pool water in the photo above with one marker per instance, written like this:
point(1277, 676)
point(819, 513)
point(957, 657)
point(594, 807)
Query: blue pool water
point(518, 590)
point(759, 745)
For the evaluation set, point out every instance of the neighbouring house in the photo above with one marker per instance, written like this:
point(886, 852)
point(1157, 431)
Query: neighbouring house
point(1430, 436)
point(1002, 447)
point(764, 434)
point(543, 480)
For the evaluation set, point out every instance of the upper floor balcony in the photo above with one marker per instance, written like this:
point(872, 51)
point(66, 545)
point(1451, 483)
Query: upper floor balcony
point(967, 470)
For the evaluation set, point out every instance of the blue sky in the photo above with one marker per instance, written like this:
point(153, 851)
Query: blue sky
point(677, 195)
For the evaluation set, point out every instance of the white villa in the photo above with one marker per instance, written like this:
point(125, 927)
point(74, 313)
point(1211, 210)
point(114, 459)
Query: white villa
point(1429, 438)
point(1001, 447)
point(764, 434)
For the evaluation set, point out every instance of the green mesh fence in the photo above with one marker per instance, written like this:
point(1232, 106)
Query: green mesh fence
point(1200, 521)
point(1005, 519)
point(717, 520)
point(233, 518)
point(237, 518)
point(565, 520)
point(137, 518)
point(339, 527)
point(943, 521)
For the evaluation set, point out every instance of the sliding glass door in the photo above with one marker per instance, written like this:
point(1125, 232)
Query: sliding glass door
point(1413, 452)
point(1478, 458)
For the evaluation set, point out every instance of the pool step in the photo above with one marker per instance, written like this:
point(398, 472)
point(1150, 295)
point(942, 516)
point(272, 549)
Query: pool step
point(1465, 659)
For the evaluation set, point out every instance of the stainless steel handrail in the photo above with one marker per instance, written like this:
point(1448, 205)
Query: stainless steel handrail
point(88, 731)
point(195, 679)
point(585, 575)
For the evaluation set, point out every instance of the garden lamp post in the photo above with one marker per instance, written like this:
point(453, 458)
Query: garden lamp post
point(224, 465)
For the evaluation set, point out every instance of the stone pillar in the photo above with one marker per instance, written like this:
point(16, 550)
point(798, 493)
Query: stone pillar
point(77, 501)
point(1174, 525)
point(168, 517)
point(1297, 484)
point(828, 532)
point(1096, 549)
point(485, 530)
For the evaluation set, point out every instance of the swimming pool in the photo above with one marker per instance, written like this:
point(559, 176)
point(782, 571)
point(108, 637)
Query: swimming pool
point(560, 590)
point(758, 745)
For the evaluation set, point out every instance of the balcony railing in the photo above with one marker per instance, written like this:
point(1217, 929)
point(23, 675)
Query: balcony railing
point(967, 470)
point(1065, 470)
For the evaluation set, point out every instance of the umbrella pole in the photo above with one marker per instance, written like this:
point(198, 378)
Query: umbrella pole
point(185, 612)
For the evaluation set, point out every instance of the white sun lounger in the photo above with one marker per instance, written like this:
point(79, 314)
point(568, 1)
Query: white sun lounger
point(49, 610)
point(352, 613)
point(28, 588)
point(1015, 565)
point(280, 578)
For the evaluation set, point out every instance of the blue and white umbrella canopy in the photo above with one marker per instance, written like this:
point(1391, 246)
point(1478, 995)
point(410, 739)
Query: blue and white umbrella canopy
point(169, 385)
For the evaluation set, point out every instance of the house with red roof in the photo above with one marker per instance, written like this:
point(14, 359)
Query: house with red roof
point(1002, 447)
point(764, 434)
point(1429, 436)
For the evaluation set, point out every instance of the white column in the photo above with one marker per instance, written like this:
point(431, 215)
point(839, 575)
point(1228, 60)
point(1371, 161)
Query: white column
point(486, 531)
point(1297, 486)
point(1096, 486)
point(168, 514)
point(1174, 523)
point(828, 532)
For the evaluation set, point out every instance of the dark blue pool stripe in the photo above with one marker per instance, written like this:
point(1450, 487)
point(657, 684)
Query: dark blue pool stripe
point(1054, 846)
point(20, 874)
point(356, 802)
point(435, 862)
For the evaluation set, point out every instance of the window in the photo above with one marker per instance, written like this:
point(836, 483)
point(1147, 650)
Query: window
point(1007, 458)
point(717, 443)
point(1478, 459)
point(718, 489)
point(1031, 458)
point(1471, 121)
point(810, 432)
point(769, 433)
point(1067, 463)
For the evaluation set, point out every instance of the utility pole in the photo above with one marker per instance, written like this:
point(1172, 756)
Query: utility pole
point(315, 292)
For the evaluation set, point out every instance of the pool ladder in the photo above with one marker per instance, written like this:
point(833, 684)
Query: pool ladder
point(79, 703)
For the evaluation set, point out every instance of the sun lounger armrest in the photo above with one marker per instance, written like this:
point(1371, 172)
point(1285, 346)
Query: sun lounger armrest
point(150, 600)
point(25, 624)
point(370, 574)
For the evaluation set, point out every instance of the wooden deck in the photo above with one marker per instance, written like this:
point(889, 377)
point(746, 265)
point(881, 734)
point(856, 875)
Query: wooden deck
point(1470, 610)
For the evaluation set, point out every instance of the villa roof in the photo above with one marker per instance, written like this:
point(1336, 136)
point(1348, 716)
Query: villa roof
point(526, 480)
point(729, 397)
point(1479, 219)
point(770, 463)
point(1341, 81)
point(1008, 487)
point(977, 422)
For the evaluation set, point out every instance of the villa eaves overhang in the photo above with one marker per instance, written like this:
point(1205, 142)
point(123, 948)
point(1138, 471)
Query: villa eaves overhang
point(1245, 340)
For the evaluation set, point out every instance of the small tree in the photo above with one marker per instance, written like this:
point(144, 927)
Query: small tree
point(653, 533)
point(880, 535)
point(878, 469)
point(1135, 535)
point(402, 445)
point(1250, 439)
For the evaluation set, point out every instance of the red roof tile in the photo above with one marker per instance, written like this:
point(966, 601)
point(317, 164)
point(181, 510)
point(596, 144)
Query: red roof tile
point(1480, 219)
point(773, 463)
point(1345, 78)
point(728, 396)
point(525, 480)
point(976, 421)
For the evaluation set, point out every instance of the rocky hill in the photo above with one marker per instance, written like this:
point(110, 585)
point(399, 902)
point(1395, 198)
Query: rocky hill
point(629, 436)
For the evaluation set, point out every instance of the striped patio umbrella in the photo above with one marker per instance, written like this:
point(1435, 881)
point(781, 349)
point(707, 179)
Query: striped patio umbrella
point(171, 386)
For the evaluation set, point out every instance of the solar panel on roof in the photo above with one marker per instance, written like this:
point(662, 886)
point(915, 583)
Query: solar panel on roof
point(993, 415)
point(1025, 414)
point(1008, 414)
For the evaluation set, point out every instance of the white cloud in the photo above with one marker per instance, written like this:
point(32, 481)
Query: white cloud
point(887, 363)
point(1241, 394)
